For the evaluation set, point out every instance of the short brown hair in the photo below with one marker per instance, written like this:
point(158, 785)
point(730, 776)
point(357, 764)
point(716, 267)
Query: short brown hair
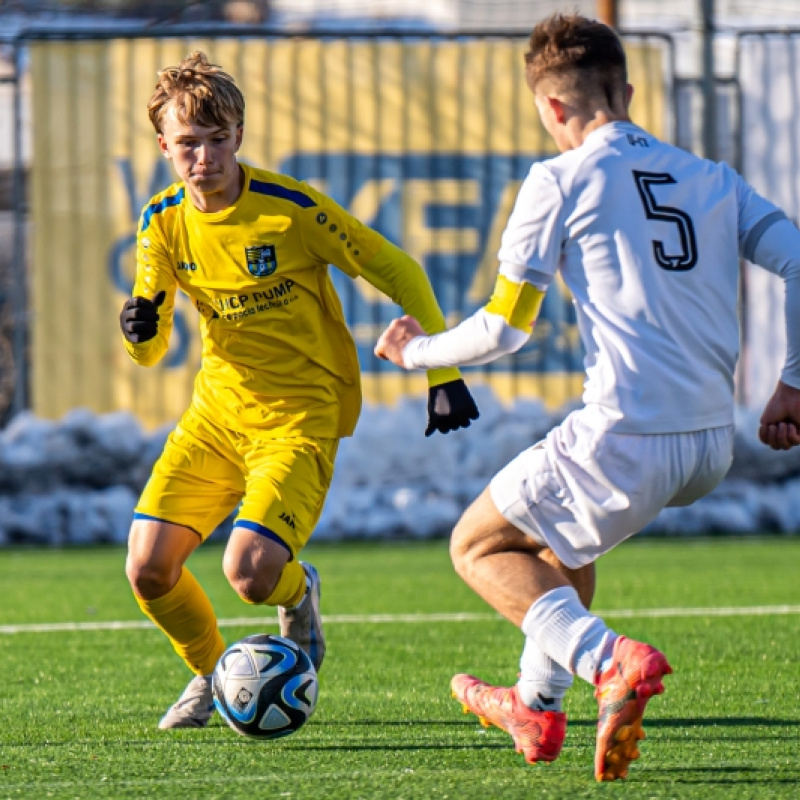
point(201, 92)
point(582, 56)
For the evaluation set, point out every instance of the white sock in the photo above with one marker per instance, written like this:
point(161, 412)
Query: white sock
point(568, 633)
point(542, 682)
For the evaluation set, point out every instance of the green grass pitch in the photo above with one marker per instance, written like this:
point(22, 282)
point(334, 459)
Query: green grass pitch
point(79, 708)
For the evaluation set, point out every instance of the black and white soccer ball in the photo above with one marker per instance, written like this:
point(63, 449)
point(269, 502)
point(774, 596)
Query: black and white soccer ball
point(265, 686)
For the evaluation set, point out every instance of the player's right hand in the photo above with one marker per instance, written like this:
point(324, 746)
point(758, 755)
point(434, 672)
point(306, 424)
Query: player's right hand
point(780, 422)
point(397, 335)
point(139, 318)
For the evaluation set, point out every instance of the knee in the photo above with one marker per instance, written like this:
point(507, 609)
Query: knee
point(465, 548)
point(251, 589)
point(481, 533)
point(253, 585)
point(151, 579)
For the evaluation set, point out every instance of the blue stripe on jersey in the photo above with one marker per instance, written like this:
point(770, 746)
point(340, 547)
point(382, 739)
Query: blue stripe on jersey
point(262, 530)
point(757, 231)
point(161, 205)
point(276, 190)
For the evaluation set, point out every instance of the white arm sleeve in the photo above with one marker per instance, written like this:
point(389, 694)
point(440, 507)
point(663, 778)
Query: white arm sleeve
point(530, 252)
point(778, 250)
point(481, 338)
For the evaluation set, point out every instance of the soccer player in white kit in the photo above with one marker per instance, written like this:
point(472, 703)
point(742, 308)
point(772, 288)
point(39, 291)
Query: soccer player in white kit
point(647, 238)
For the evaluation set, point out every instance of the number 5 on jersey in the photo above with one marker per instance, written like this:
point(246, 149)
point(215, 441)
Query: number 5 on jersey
point(687, 258)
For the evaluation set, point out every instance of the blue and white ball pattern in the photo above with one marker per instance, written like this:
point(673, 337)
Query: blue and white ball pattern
point(265, 686)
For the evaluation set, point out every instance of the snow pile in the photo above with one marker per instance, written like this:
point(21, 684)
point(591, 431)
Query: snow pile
point(76, 481)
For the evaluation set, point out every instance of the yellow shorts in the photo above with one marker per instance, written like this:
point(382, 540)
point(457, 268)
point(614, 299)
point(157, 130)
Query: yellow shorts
point(206, 470)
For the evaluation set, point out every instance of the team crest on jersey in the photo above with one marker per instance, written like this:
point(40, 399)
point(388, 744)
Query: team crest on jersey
point(261, 259)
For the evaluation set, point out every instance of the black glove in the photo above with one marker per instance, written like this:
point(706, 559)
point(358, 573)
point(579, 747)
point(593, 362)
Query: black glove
point(139, 318)
point(450, 407)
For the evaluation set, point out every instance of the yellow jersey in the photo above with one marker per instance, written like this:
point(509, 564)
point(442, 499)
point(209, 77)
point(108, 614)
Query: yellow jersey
point(276, 351)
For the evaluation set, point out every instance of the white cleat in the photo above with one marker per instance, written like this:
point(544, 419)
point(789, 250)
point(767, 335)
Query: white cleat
point(193, 708)
point(303, 623)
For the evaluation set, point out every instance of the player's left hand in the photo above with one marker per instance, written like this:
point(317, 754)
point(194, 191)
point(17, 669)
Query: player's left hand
point(450, 407)
point(392, 341)
point(780, 422)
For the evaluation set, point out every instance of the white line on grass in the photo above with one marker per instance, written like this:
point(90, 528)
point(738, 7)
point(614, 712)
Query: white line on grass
point(379, 619)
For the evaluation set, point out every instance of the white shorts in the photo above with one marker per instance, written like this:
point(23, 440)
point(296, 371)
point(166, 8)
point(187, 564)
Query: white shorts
point(581, 491)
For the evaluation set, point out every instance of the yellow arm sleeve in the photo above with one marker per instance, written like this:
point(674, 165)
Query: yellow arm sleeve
point(146, 354)
point(399, 277)
point(153, 274)
point(333, 236)
point(517, 303)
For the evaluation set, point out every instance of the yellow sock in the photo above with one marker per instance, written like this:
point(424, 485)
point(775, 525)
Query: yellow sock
point(187, 618)
point(291, 586)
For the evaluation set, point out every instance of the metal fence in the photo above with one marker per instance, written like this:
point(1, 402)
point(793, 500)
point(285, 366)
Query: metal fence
point(13, 264)
point(767, 141)
point(424, 137)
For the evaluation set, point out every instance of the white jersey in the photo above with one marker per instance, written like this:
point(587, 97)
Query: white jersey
point(647, 238)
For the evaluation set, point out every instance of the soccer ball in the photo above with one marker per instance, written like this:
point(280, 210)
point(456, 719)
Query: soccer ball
point(265, 686)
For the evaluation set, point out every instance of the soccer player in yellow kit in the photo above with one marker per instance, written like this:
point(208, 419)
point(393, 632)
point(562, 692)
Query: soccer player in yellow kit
point(279, 383)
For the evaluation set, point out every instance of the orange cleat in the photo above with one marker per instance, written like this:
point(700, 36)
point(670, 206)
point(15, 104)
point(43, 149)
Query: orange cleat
point(538, 735)
point(622, 693)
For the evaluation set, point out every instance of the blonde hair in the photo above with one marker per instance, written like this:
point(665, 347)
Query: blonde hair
point(200, 92)
point(582, 58)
